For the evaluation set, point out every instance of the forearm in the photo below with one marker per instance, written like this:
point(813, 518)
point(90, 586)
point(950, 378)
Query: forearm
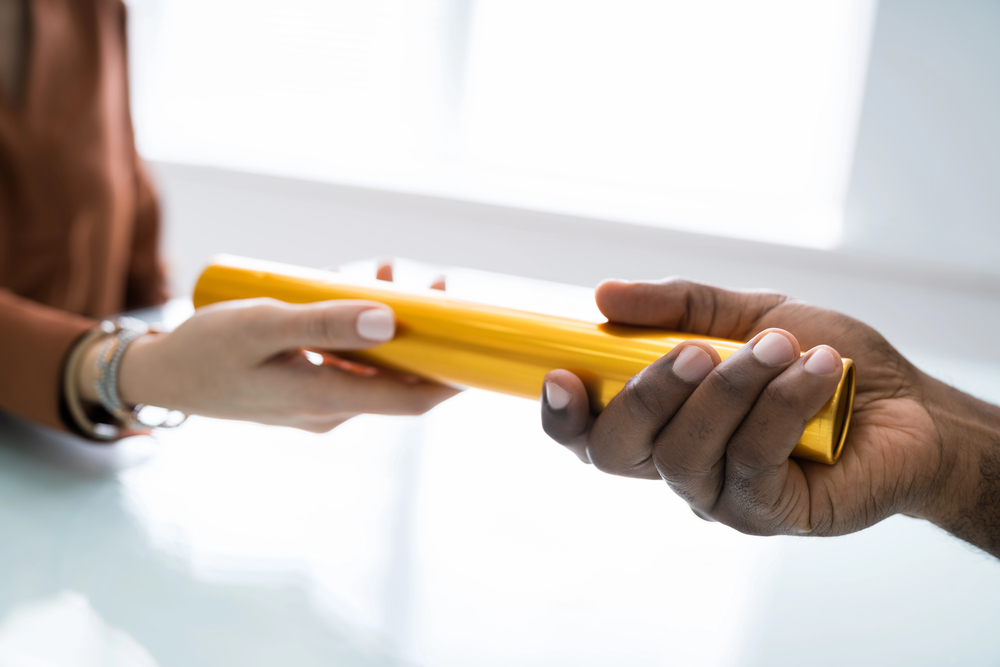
point(34, 341)
point(966, 498)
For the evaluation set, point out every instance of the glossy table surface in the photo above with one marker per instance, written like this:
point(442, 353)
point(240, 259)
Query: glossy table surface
point(464, 537)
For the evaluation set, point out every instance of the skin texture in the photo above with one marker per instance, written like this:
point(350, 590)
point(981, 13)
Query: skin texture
point(722, 441)
point(245, 360)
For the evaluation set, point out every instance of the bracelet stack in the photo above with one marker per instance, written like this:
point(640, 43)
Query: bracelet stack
point(117, 336)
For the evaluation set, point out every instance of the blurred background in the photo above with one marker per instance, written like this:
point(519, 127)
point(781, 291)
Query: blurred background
point(833, 125)
point(843, 151)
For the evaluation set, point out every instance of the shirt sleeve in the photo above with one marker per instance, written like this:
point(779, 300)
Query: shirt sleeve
point(34, 342)
point(147, 284)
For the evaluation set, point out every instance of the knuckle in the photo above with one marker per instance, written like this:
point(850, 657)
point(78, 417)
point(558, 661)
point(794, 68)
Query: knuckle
point(701, 306)
point(253, 323)
point(643, 397)
point(704, 516)
point(685, 491)
point(780, 397)
point(321, 325)
point(690, 482)
point(260, 309)
point(600, 461)
point(747, 463)
point(672, 468)
point(604, 460)
point(679, 283)
point(258, 318)
point(731, 382)
point(745, 469)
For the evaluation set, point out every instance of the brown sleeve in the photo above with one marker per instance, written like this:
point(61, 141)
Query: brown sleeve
point(147, 284)
point(34, 342)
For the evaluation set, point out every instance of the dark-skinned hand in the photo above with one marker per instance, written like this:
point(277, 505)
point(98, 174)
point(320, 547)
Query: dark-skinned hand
point(720, 434)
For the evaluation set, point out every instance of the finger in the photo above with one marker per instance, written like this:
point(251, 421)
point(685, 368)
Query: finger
point(273, 327)
point(690, 451)
point(765, 493)
point(566, 416)
point(359, 368)
point(328, 392)
point(384, 270)
point(621, 441)
point(683, 305)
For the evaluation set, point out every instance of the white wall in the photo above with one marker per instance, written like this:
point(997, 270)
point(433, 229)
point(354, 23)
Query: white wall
point(926, 176)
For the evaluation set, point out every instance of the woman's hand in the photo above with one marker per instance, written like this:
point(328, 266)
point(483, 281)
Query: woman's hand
point(720, 434)
point(248, 360)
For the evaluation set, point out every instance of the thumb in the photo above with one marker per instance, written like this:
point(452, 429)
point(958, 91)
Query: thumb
point(684, 305)
point(329, 325)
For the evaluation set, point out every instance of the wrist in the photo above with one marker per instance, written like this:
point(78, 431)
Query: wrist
point(137, 372)
point(968, 437)
point(131, 374)
point(87, 373)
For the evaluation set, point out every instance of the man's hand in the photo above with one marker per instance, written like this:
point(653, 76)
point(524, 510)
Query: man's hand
point(720, 434)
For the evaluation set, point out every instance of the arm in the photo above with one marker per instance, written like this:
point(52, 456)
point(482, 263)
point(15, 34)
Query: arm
point(34, 342)
point(240, 360)
point(720, 433)
point(967, 503)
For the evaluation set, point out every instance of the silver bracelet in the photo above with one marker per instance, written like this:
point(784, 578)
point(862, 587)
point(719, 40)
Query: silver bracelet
point(109, 360)
point(108, 364)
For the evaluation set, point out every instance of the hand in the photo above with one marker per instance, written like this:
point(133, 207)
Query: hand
point(247, 360)
point(720, 434)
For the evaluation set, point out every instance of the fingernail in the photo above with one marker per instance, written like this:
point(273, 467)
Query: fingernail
point(774, 349)
point(556, 396)
point(822, 362)
point(693, 364)
point(376, 324)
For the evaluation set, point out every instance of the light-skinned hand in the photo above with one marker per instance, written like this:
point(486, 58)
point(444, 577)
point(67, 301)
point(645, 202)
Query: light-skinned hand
point(248, 360)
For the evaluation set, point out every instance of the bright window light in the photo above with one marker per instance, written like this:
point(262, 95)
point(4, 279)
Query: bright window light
point(722, 117)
